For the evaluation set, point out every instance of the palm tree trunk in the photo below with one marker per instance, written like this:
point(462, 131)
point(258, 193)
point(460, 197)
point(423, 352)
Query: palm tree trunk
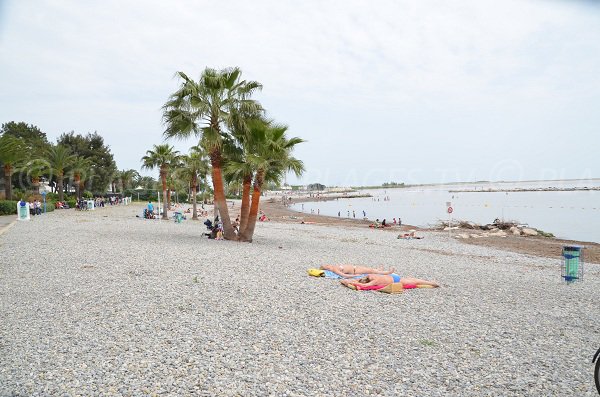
point(194, 204)
point(59, 186)
point(217, 177)
point(245, 210)
point(169, 197)
point(8, 181)
point(77, 186)
point(35, 182)
point(249, 232)
point(163, 179)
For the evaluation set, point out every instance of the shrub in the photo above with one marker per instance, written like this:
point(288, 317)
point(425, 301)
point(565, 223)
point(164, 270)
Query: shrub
point(52, 197)
point(71, 203)
point(87, 194)
point(8, 207)
point(49, 207)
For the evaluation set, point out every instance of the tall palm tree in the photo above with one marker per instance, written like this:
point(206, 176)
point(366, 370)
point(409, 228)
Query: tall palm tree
point(272, 159)
point(35, 169)
point(115, 178)
point(12, 154)
point(194, 165)
point(59, 158)
point(240, 168)
point(127, 177)
point(205, 109)
point(80, 168)
point(161, 157)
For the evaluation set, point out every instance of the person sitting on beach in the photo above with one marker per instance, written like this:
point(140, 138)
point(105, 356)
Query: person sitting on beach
point(383, 224)
point(382, 279)
point(150, 208)
point(348, 271)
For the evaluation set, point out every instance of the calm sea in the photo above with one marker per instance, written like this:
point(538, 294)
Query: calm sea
point(571, 215)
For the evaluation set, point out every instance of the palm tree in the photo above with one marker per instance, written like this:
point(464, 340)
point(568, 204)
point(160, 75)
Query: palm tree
point(12, 154)
point(114, 181)
point(194, 165)
point(36, 168)
point(80, 168)
point(59, 158)
point(147, 182)
point(162, 157)
point(240, 167)
point(127, 177)
point(205, 109)
point(272, 159)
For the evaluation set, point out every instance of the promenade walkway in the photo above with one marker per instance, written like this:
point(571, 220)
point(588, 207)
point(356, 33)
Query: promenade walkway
point(6, 221)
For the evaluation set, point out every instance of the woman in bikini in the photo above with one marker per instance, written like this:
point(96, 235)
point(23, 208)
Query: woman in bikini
point(350, 271)
point(386, 279)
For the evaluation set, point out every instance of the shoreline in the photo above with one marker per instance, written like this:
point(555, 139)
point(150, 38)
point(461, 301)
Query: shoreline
point(537, 246)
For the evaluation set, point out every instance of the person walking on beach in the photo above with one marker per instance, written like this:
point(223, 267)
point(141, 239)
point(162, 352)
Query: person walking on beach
point(364, 214)
point(338, 214)
point(348, 214)
point(353, 214)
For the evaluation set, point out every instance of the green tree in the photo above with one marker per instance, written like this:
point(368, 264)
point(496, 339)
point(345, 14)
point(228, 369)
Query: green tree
point(80, 169)
point(33, 138)
point(147, 182)
point(207, 108)
point(194, 165)
point(161, 157)
point(12, 154)
point(127, 177)
point(59, 159)
point(272, 159)
point(35, 169)
point(241, 165)
point(92, 147)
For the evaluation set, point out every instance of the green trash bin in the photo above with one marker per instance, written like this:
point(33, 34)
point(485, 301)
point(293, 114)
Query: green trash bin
point(572, 267)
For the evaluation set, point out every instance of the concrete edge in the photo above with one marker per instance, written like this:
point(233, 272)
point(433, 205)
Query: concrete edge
point(5, 228)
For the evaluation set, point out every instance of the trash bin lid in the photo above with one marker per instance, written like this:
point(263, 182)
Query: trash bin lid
point(572, 247)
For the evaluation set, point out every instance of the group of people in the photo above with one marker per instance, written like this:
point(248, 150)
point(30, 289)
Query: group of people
point(35, 207)
point(371, 276)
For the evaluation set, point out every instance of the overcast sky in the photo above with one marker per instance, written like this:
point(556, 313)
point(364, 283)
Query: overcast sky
point(406, 91)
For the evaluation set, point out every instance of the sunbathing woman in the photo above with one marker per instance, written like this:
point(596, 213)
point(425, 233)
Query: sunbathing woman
point(349, 271)
point(381, 279)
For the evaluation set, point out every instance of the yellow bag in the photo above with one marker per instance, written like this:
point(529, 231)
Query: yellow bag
point(316, 272)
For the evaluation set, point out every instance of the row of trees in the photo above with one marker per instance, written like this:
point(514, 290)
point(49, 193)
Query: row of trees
point(79, 161)
point(234, 137)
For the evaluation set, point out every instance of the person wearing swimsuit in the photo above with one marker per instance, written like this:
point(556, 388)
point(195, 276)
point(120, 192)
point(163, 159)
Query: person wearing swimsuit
point(349, 271)
point(386, 279)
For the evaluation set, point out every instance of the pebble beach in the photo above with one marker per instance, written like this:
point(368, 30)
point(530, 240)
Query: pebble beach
point(101, 303)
